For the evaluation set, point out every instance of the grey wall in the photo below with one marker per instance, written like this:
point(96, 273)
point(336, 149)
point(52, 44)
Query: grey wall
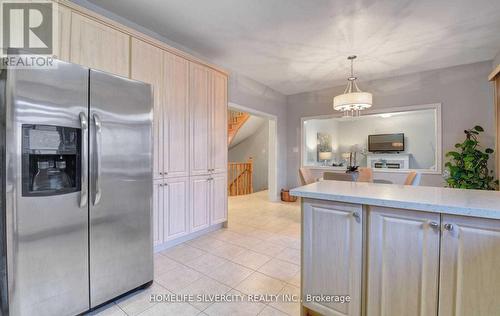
point(496, 60)
point(242, 90)
point(464, 91)
point(255, 146)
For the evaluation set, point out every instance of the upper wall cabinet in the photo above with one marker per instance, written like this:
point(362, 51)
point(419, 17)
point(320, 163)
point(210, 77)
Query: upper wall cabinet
point(219, 122)
point(63, 33)
point(146, 66)
point(99, 46)
point(199, 103)
point(176, 115)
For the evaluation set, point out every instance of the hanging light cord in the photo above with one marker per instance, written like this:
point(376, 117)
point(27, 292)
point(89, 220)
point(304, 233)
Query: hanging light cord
point(352, 85)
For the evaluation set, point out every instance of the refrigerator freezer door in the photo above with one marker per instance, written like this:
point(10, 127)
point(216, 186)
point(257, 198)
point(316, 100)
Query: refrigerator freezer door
point(46, 227)
point(121, 247)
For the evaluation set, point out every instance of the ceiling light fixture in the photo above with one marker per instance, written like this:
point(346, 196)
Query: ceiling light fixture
point(353, 100)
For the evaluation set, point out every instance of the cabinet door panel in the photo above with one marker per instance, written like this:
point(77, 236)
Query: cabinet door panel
point(176, 208)
point(63, 33)
point(403, 265)
point(158, 211)
point(332, 255)
point(176, 116)
point(146, 66)
point(98, 46)
point(470, 261)
point(200, 121)
point(219, 203)
point(200, 203)
point(219, 122)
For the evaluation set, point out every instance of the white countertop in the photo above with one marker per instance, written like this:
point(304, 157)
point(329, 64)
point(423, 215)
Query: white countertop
point(485, 204)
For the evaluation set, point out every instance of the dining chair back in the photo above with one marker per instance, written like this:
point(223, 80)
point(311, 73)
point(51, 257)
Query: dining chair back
point(306, 177)
point(413, 178)
point(365, 174)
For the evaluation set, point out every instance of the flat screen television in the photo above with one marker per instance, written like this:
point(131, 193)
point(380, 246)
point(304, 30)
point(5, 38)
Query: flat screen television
point(386, 142)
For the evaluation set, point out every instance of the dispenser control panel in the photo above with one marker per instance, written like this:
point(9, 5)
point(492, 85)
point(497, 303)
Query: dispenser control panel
point(50, 160)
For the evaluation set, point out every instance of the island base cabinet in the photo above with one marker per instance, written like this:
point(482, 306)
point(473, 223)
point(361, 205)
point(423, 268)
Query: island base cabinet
point(403, 262)
point(470, 267)
point(332, 256)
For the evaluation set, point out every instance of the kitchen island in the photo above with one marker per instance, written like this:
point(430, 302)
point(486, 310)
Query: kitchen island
point(399, 250)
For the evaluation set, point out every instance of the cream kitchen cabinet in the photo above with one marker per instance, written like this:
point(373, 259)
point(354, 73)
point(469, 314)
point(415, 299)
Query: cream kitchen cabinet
point(332, 255)
point(208, 201)
point(175, 207)
point(208, 105)
point(470, 260)
point(169, 75)
point(96, 45)
point(218, 108)
point(200, 202)
point(175, 116)
point(63, 33)
point(146, 66)
point(170, 209)
point(403, 265)
point(158, 212)
point(218, 212)
point(199, 104)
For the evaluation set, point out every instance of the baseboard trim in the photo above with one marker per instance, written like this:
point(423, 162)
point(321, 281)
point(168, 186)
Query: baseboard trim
point(180, 240)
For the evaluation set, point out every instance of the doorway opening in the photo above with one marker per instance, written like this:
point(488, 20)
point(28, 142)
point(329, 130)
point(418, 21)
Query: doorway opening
point(252, 156)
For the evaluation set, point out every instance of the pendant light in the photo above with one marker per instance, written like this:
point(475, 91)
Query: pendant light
point(353, 100)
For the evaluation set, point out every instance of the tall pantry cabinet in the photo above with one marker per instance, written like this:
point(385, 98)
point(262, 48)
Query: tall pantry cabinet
point(189, 118)
point(190, 155)
point(208, 163)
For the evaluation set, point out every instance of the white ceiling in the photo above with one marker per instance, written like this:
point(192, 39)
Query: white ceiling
point(302, 45)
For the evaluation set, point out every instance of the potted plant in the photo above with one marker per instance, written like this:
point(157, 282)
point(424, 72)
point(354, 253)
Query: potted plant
point(468, 166)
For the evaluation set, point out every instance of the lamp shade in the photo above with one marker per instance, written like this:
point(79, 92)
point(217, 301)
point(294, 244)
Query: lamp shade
point(325, 155)
point(353, 101)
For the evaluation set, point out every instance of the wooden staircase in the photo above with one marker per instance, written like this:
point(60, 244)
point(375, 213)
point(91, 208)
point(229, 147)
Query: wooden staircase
point(235, 121)
point(240, 178)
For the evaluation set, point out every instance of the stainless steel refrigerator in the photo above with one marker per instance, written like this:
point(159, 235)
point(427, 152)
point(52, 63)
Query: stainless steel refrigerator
point(76, 189)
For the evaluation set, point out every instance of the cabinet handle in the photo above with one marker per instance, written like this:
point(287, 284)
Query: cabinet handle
point(356, 216)
point(448, 227)
point(161, 173)
point(434, 225)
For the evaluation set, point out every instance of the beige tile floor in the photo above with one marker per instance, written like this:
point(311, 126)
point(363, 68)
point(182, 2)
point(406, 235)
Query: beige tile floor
point(258, 254)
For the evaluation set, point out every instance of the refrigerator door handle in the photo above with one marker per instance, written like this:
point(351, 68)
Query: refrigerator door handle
point(98, 131)
point(84, 160)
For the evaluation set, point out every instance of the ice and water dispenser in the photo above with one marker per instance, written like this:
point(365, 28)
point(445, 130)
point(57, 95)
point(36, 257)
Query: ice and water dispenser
point(51, 160)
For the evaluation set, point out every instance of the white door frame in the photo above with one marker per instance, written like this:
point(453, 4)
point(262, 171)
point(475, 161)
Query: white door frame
point(272, 175)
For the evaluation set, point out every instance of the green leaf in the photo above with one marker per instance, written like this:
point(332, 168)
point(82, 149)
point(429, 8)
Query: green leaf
point(453, 154)
point(489, 150)
point(478, 128)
